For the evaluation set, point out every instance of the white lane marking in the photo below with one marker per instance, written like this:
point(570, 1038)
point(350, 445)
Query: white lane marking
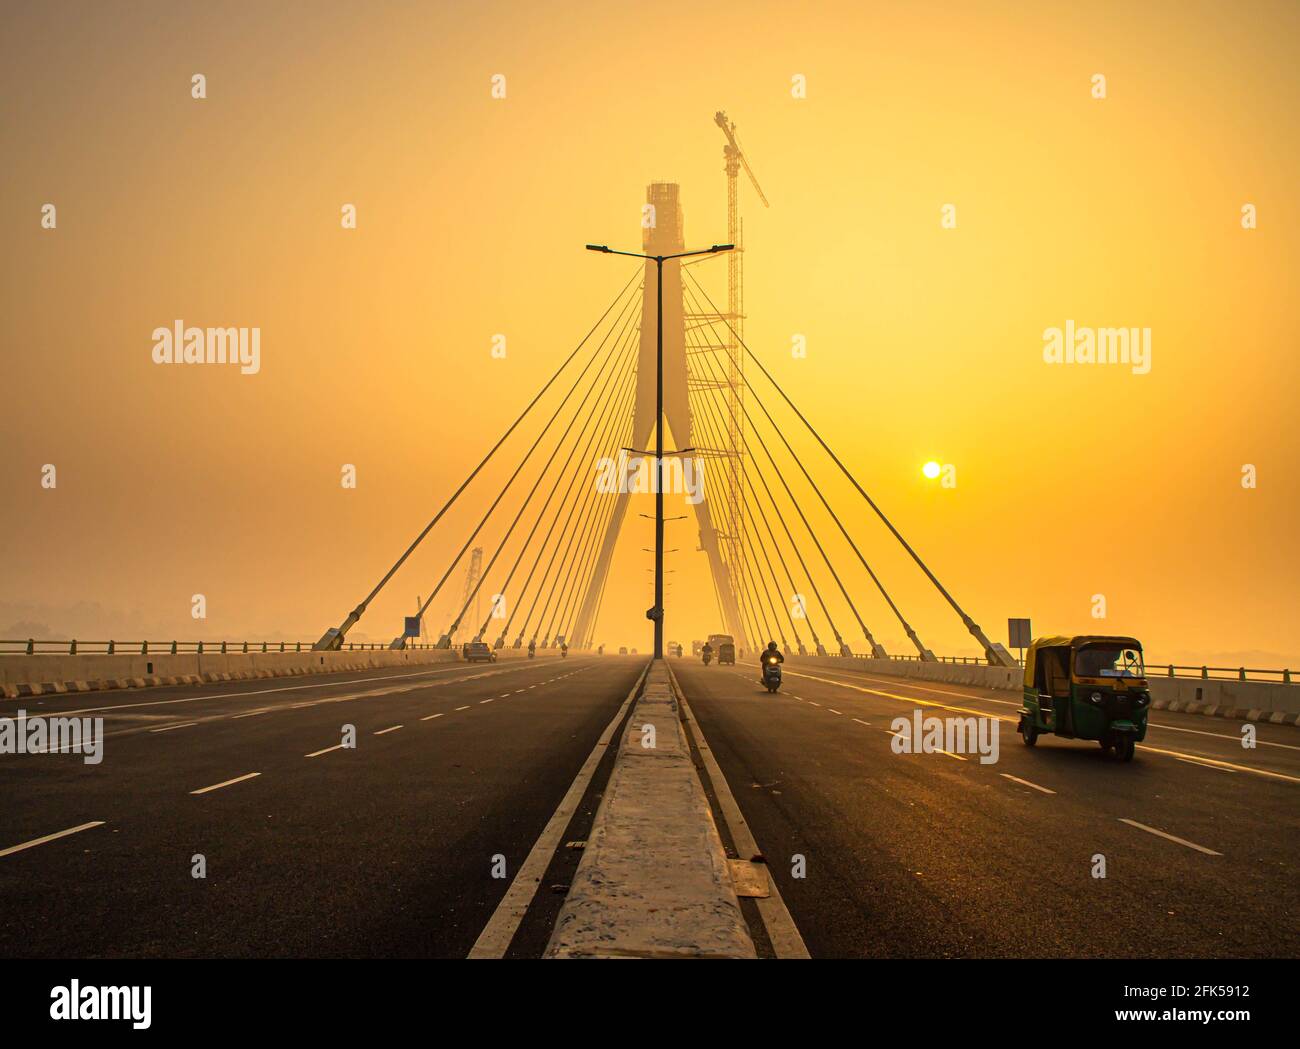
point(1218, 763)
point(463, 708)
point(940, 750)
point(504, 695)
point(226, 783)
point(1016, 703)
point(250, 714)
point(49, 837)
point(169, 728)
point(431, 717)
point(1025, 783)
point(391, 728)
point(482, 701)
point(517, 691)
point(861, 722)
point(814, 703)
point(318, 753)
point(293, 688)
point(1170, 837)
point(1145, 747)
point(1207, 765)
point(494, 940)
point(834, 711)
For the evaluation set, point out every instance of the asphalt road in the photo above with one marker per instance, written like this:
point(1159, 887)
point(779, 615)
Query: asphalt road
point(388, 849)
point(385, 850)
point(936, 855)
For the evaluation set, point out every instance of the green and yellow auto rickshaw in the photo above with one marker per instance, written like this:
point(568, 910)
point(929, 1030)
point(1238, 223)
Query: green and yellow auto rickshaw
point(1086, 687)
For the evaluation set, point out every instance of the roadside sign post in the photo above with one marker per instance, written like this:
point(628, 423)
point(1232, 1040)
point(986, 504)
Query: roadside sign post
point(1019, 635)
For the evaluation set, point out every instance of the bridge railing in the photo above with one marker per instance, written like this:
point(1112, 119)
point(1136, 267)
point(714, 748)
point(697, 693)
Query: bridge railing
point(1175, 670)
point(34, 647)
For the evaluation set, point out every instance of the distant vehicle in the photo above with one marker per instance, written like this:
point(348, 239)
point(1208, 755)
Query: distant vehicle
point(1086, 687)
point(634, 651)
point(724, 645)
point(478, 652)
point(622, 650)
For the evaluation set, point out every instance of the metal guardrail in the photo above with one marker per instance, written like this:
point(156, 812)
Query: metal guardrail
point(1176, 670)
point(33, 647)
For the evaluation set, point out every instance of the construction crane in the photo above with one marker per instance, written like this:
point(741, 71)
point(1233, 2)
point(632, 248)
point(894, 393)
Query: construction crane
point(734, 159)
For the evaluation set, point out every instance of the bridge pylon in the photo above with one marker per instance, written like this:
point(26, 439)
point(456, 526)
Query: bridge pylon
point(663, 236)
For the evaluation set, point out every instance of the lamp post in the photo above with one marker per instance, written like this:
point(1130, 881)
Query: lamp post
point(656, 613)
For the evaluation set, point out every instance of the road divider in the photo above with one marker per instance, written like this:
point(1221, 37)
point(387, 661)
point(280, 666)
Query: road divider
point(654, 880)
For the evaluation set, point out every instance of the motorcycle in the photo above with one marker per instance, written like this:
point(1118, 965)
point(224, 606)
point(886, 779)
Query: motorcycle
point(708, 658)
point(771, 675)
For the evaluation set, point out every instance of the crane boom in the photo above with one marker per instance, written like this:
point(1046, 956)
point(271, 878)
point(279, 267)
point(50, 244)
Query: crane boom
point(729, 129)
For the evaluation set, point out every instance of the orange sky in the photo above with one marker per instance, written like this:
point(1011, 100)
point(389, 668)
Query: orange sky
point(923, 342)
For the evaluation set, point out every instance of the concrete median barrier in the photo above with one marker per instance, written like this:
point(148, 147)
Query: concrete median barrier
point(653, 881)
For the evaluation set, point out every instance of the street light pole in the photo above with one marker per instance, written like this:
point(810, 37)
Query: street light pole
point(656, 614)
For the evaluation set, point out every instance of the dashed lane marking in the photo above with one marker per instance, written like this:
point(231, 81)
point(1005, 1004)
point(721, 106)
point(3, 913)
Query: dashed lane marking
point(50, 837)
point(226, 783)
point(1025, 783)
point(391, 728)
point(1170, 837)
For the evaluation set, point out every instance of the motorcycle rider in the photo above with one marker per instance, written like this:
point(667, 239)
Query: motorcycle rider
point(706, 651)
point(532, 648)
point(767, 655)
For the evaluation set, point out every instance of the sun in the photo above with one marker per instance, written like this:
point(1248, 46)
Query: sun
point(931, 469)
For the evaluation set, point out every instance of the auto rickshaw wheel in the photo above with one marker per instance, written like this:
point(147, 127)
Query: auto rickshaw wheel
point(1124, 748)
point(1028, 732)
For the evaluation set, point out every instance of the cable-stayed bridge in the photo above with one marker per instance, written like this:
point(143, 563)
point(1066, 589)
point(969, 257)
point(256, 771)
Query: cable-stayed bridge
point(516, 789)
point(772, 577)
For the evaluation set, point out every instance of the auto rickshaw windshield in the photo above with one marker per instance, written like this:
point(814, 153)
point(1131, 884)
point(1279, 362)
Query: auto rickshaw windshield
point(1109, 660)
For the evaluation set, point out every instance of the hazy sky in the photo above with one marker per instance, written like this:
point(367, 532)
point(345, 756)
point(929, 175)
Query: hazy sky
point(923, 342)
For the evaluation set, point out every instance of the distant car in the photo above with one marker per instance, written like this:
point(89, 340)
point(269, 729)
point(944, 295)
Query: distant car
point(622, 650)
point(478, 652)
